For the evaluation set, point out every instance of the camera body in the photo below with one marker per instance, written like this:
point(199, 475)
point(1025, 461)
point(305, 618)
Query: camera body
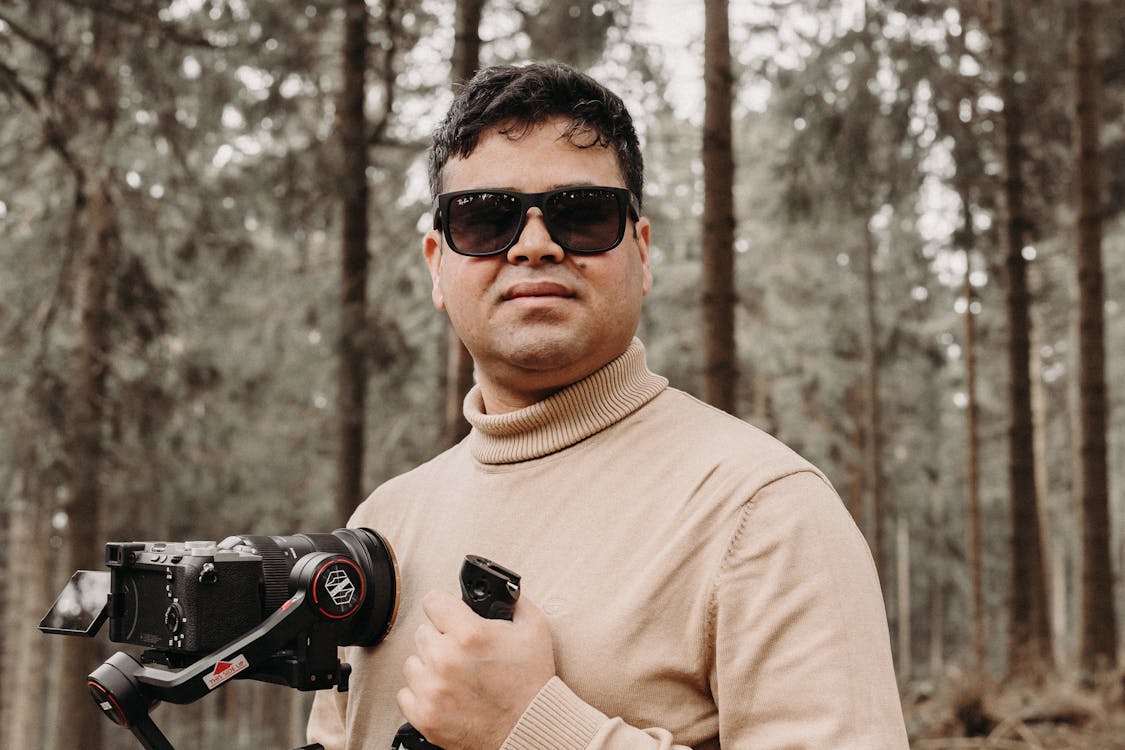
point(183, 597)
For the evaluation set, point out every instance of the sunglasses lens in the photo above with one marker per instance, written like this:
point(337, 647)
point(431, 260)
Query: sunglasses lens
point(579, 219)
point(483, 223)
point(585, 220)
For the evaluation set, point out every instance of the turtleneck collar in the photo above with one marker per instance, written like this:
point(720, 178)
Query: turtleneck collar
point(564, 418)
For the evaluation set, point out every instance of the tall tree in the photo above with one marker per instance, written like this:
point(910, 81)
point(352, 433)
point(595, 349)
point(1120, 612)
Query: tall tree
point(352, 353)
point(1097, 646)
point(87, 449)
point(25, 558)
point(972, 446)
point(1028, 633)
point(720, 382)
point(459, 365)
point(875, 514)
point(865, 160)
point(84, 433)
point(852, 154)
point(967, 158)
point(574, 32)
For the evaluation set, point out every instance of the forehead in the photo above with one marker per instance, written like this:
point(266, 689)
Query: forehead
point(532, 159)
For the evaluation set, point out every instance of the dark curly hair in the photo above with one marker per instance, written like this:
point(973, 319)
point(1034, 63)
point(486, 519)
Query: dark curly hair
point(516, 98)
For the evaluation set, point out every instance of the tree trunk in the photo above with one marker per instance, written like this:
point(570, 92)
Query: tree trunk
point(300, 704)
point(466, 40)
point(27, 570)
point(1098, 626)
point(902, 598)
point(1028, 634)
point(937, 627)
point(873, 443)
point(1048, 515)
point(235, 707)
point(720, 382)
point(85, 447)
point(972, 439)
point(458, 377)
point(352, 373)
point(856, 489)
point(965, 152)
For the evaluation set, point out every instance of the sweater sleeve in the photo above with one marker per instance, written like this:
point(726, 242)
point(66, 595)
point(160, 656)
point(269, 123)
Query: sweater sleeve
point(801, 653)
point(559, 719)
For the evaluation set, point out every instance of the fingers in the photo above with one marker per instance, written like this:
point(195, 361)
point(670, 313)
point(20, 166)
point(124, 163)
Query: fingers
point(529, 613)
point(470, 679)
point(446, 612)
point(425, 692)
point(444, 644)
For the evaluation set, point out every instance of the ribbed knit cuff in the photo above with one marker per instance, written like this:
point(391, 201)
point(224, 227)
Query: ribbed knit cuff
point(556, 718)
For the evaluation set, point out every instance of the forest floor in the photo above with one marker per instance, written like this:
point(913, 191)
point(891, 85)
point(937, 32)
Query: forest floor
point(1051, 714)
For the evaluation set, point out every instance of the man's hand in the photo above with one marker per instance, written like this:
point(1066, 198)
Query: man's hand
point(470, 679)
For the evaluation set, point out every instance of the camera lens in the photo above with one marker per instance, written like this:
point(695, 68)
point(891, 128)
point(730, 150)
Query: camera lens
point(369, 550)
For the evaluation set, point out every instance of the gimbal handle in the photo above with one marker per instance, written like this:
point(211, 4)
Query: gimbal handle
point(120, 695)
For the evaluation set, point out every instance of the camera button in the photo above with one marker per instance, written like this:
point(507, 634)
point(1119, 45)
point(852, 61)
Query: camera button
point(173, 618)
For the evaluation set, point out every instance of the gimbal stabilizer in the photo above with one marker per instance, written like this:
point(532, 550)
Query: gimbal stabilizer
point(294, 646)
point(126, 690)
point(273, 609)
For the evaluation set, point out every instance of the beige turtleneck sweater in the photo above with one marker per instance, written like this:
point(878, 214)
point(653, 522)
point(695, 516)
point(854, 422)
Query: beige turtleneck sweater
point(702, 580)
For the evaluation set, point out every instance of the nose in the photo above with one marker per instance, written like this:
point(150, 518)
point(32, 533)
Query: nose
point(535, 245)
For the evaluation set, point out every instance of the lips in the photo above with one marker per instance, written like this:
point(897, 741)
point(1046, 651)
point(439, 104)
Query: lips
point(526, 289)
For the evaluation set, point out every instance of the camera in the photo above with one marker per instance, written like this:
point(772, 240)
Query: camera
point(189, 598)
point(270, 608)
point(193, 597)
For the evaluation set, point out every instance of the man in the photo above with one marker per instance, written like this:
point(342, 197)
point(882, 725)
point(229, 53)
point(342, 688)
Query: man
point(687, 580)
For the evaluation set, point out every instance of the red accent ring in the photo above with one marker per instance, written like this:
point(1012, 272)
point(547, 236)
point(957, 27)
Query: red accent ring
point(94, 685)
point(316, 588)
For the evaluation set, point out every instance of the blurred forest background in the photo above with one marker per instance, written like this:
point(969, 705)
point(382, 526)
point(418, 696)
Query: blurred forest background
point(890, 232)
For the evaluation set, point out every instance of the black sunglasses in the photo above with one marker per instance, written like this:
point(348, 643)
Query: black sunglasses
point(580, 219)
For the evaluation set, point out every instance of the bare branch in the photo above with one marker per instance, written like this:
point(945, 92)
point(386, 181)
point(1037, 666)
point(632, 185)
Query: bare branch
point(50, 308)
point(34, 40)
point(52, 132)
point(9, 79)
point(147, 21)
point(387, 80)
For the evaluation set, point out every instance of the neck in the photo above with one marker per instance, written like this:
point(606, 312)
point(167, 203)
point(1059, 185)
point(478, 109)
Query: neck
point(500, 396)
point(564, 417)
point(507, 385)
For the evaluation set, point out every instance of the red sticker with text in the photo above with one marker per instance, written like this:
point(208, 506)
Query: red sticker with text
point(224, 670)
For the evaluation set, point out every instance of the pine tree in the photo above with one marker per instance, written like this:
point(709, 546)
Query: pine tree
point(1098, 631)
point(720, 365)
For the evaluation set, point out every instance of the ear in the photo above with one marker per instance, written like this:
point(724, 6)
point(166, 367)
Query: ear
point(431, 249)
point(643, 236)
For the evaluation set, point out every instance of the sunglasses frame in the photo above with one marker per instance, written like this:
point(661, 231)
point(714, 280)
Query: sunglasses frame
point(627, 203)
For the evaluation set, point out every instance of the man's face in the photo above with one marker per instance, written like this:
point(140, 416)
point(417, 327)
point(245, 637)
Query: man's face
point(536, 318)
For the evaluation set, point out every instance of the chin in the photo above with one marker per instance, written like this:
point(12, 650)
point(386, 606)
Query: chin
point(545, 353)
point(566, 358)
